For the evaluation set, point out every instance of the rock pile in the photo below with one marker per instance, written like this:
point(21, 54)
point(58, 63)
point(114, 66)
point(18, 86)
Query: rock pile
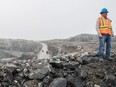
point(60, 71)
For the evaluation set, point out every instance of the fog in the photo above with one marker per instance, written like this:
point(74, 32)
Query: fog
point(51, 19)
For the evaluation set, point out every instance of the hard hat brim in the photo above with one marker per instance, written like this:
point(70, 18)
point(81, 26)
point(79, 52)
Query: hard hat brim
point(103, 12)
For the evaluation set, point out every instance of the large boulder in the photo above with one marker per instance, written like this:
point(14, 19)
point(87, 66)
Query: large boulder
point(39, 73)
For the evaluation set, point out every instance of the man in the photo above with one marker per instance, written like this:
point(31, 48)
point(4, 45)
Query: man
point(105, 34)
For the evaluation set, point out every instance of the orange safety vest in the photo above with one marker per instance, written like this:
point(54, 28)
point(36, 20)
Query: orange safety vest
point(105, 26)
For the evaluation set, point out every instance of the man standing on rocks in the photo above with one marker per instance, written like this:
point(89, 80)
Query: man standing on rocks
point(105, 34)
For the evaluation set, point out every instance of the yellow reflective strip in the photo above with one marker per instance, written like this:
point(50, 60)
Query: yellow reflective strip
point(105, 29)
point(102, 21)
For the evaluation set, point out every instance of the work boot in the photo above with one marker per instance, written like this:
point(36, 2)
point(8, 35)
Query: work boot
point(108, 58)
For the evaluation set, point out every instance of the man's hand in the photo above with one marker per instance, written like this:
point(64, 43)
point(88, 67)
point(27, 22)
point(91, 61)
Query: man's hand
point(100, 35)
point(112, 34)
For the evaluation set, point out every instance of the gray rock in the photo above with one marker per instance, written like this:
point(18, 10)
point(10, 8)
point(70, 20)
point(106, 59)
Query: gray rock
point(90, 84)
point(39, 73)
point(4, 84)
point(70, 81)
point(46, 81)
point(30, 83)
point(8, 76)
point(56, 64)
point(71, 65)
point(83, 75)
point(58, 82)
point(78, 82)
point(87, 60)
point(52, 70)
point(110, 80)
point(100, 75)
point(96, 85)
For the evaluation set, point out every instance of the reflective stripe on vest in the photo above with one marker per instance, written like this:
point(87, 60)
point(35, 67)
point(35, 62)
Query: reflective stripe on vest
point(105, 26)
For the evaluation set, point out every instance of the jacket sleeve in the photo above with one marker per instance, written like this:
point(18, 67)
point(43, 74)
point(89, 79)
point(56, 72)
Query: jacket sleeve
point(112, 29)
point(97, 26)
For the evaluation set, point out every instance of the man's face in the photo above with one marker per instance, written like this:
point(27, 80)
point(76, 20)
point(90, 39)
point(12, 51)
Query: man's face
point(104, 14)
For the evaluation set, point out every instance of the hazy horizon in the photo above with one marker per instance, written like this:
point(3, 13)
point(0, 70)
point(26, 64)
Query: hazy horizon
point(46, 39)
point(51, 19)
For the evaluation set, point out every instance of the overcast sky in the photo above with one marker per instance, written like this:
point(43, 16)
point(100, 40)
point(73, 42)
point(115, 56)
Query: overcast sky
point(51, 19)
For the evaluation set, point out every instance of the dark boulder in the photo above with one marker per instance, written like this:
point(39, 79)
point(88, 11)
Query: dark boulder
point(71, 65)
point(58, 65)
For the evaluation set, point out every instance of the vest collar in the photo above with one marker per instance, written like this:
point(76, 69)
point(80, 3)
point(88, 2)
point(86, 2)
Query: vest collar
point(104, 18)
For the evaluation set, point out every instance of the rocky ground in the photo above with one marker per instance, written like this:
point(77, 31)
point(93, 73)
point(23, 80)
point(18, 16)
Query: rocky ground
point(60, 71)
point(73, 62)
